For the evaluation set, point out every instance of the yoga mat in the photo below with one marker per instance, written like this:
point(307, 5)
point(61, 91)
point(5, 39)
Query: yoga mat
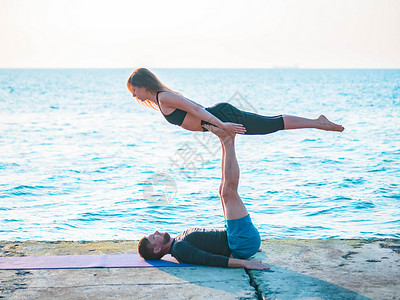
point(86, 261)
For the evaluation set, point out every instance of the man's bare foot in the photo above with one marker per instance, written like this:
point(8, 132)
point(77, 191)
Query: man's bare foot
point(325, 124)
point(222, 134)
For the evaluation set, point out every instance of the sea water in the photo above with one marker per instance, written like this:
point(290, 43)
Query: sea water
point(80, 159)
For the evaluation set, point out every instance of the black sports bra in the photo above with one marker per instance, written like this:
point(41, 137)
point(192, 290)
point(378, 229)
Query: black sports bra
point(176, 117)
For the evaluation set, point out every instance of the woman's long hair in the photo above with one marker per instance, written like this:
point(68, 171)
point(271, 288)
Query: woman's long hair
point(144, 78)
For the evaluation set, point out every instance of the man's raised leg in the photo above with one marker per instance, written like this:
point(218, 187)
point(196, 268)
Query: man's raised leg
point(243, 238)
point(232, 203)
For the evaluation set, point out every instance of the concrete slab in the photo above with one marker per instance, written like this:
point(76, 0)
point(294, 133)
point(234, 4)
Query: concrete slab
point(300, 269)
point(329, 269)
point(128, 283)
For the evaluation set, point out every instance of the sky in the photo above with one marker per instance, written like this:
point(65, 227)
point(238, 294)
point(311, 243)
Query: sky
point(199, 34)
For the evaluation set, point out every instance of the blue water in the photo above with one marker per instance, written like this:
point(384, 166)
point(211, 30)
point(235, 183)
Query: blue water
point(81, 160)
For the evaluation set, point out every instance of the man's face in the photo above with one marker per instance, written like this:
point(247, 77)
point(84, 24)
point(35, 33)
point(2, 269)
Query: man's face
point(159, 239)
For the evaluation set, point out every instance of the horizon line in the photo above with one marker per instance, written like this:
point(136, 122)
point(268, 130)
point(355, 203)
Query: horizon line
point(199, 68)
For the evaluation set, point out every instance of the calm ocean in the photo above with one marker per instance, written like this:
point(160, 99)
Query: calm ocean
point(80, 159)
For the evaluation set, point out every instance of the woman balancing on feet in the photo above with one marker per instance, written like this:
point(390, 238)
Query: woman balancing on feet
point(149, 91)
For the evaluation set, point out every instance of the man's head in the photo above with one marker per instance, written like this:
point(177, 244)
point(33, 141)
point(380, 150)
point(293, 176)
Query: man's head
point(154, 246)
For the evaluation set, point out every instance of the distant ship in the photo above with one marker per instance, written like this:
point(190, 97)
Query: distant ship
point(286, 67)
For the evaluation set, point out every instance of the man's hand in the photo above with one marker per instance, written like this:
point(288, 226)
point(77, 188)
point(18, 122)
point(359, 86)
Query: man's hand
point(248, 264)
point(255, 265)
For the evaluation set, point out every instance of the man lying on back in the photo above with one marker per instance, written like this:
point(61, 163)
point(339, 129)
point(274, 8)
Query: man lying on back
point(212, 247)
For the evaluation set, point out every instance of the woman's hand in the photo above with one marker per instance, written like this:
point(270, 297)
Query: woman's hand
point(234, 128)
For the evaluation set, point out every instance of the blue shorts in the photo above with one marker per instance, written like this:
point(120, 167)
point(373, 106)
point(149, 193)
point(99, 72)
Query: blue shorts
point(243, 238)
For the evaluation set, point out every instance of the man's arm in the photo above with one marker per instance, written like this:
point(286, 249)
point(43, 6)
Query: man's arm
point(248, 264)
point(187, 253)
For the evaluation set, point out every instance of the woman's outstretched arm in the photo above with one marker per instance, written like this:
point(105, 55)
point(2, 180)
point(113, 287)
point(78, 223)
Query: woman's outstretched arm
point(175, 101)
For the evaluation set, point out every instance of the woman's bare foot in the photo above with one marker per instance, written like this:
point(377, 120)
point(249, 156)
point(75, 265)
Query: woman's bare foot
point(325, 124)
point(222, 134)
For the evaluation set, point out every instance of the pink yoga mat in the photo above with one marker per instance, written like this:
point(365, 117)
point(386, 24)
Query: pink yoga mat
point(86, 261)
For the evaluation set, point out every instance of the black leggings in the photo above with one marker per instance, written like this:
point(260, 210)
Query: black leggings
point(254, 124)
